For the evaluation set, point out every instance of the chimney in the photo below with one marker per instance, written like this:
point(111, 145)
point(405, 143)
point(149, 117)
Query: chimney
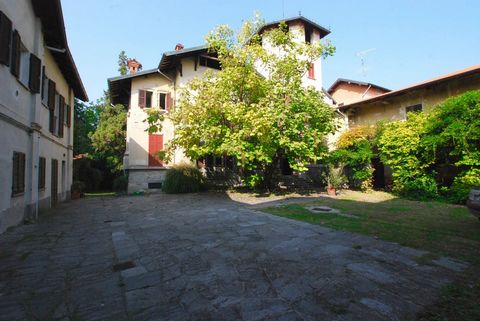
point(133, 66)
point(179, 46)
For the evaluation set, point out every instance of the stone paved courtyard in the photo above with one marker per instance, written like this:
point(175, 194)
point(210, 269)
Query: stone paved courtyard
point(204, 257)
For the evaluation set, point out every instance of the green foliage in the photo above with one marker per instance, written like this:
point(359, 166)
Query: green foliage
point(422, 187)
point(86, 170)
point(78, 186)
point(448, 136)
point(122, 63)
point(335, 177)
point(120, 184)
point(108, 140)
point(256, 118)
point(183, 178)
point(85, 122)
point(355, 150)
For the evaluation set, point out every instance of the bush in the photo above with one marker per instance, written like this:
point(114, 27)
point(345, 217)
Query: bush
point(458, 192)
point(78, 186)
point(355, 150)
point(420, 188)
point(120, 184)
point(183, 178)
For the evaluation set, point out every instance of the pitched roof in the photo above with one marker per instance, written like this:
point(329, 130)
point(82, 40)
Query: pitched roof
point(323, 31)
point(119, 87)
point(355, 82)
point(170, 57)
point(53, 27)
point(450, 76)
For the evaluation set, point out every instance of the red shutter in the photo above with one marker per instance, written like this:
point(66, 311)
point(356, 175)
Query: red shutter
point(35, 70)
point(61, 115)
point(142, 97)
point(169, 101)
point(15, 66)
point(5, 38)
point(311, 71)
point(155, 145)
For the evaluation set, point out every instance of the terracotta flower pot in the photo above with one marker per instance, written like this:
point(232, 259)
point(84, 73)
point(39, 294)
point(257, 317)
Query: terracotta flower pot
point(76, 195)
point(331, 191)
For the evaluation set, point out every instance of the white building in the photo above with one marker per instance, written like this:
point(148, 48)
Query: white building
point(38, 83)
point(158, 88)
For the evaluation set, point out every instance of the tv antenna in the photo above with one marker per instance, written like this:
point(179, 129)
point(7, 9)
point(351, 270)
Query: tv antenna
point(362, 54)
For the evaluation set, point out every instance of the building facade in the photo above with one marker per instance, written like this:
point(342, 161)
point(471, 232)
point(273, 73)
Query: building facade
point(394, 105)
point(39, 82)
point(158, 88)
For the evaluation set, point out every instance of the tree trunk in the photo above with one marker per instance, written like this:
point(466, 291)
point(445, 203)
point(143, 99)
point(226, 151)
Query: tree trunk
point(269, 172)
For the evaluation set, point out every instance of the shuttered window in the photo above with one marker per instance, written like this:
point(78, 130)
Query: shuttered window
point(18, 173)
point(42, 163)
point(155, 145)
point(35, 69)
point(141, 98)
point(311, 71)
point(169, 102)
point(15, 61)
point(61, 115)
point(69, 116)
point(51, 105)
point(5, 39)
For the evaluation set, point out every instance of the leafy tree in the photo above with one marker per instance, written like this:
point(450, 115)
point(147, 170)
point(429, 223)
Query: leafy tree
point(255, 108)
point(108, 140)
point(122, 63)
point(85, 122)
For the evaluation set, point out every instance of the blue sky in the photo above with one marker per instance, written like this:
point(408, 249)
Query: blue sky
point(410, 41)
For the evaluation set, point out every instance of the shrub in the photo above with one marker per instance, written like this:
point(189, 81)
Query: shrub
point(421, 188)
point(78, 186)
point(183, 178)
point(355, 150)
point(458, 192)
point(120, 184)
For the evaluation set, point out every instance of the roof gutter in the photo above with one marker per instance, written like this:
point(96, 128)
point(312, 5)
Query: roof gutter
point(161, 73)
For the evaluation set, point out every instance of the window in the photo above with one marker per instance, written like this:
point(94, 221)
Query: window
point(308, 35)
point(210, 62)
point(68, 120)
point(61, 115)
point(5, 38)
point(15, 57)
point(18, 173)
point(162, 100)
point(311, 71)
point(34, 74)
point(42, 163)
point(24, 75)
point(45, 91)
point(414, 108)
point(145, 98)
point(155, 145)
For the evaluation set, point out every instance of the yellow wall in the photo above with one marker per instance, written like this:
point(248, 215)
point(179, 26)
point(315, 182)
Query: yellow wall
point(392, 109)
point(346, 93)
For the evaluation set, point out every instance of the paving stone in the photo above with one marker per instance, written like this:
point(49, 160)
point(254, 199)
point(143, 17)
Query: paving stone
point(205, 257)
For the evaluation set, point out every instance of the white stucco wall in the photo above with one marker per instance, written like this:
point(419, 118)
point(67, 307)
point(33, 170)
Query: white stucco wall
point(24, 125)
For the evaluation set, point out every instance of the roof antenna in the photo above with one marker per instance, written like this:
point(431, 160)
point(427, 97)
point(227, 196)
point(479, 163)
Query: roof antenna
point(283, 8)
point(362, 55)
point(300, 13)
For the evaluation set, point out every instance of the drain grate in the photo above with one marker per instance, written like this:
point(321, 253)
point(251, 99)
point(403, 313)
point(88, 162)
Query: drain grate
point(322, 209)
point(123, 266)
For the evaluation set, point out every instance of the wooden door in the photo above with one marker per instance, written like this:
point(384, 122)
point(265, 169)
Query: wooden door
point(54, 182)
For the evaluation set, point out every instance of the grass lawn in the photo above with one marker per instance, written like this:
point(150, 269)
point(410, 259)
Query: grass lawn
point(440, 228)
point(98, 194)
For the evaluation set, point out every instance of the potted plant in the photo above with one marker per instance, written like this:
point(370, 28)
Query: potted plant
point(335, 179)
point(77, 189)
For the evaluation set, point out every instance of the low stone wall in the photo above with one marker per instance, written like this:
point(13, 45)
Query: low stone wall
point(138, 180)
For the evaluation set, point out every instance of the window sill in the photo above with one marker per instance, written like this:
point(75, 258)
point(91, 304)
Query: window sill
point(18, 194)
